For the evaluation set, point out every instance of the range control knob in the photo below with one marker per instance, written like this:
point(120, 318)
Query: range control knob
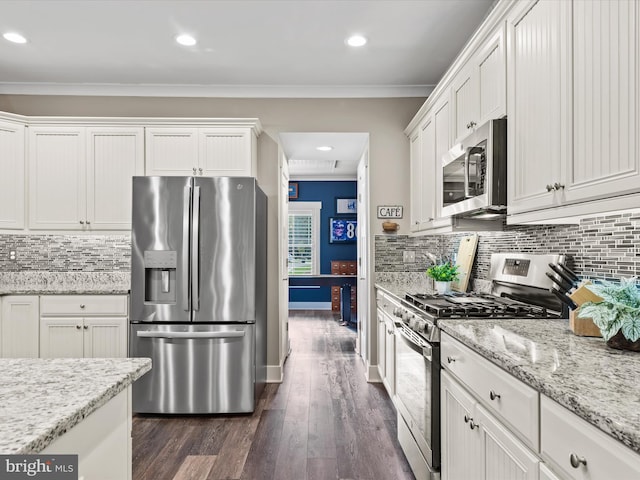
point(421, 325)
point(412, 323)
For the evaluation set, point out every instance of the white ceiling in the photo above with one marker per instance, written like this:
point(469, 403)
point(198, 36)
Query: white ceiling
point(306, 162)
point(246, 48)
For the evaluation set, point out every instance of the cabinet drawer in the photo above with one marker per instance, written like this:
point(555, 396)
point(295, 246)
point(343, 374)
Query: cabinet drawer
point(564, 434)
point(504, 395)
point(83, 305)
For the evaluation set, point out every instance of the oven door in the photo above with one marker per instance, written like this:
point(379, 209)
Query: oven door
point(418, 391)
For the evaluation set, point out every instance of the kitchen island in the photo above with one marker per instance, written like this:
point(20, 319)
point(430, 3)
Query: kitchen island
point(58, 406)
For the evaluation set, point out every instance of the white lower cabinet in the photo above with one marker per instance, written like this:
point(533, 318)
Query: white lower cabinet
point(475, 445)
point(390, 363)
point(382, 345)
point(102, 441)
point(19, 326)
point(87, 326)
point(574, 449)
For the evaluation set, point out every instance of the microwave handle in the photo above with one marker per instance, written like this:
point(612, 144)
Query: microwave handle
point(467, 186)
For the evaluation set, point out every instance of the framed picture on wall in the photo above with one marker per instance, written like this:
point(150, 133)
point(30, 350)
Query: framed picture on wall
point(342, 230)
point(293, 190)
point(346, 206)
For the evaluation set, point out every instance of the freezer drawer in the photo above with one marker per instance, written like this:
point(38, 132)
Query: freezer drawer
point(197, 368)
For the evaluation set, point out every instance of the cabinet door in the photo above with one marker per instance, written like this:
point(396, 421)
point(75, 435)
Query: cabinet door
point(20, 327)
point(605, 162)
point(61, 337)
point(57, 195)
point(538, 93)
point(225, 152)
point(390, 364)
point(114, 155)
point(505, 457)
point(105, 337)
point(491, 71)
point(416, 180)
point(12, 163)
point(171, 151)
point(461, 445)
point(443, 142)
point(464, 93)
point(382, 346)
point(428, 173)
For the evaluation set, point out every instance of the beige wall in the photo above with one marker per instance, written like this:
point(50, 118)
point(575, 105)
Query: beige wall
point(384, 119)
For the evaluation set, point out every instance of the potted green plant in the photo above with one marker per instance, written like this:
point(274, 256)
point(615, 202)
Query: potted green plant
point(618, 314)
point(443, 274)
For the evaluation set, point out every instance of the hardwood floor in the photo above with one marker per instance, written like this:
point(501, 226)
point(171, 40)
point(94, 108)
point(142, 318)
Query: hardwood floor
point(323, 422)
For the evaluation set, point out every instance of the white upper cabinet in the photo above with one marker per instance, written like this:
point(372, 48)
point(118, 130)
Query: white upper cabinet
point(416, 179)
point(478, 91)
point(57, 171)
point(80, 177)
point(428, 180)
point(12, 166)
point(442, 136)
point(538, 99)
point(115, 155)
point(210, 151)
point(606, 160)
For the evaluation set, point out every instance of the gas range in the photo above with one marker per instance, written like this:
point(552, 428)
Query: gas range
point(519, 289)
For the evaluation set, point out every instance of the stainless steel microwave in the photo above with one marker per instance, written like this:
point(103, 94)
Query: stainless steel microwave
point(474, 172)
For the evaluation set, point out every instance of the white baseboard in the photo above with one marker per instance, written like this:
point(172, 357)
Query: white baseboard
point(274, 373)
point(309, 305)
point(373, 375)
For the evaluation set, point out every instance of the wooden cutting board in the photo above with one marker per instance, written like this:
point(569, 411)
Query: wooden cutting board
point(464, 260)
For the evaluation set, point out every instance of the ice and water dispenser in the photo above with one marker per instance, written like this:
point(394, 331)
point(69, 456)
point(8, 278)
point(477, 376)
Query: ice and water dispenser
point(160, 276)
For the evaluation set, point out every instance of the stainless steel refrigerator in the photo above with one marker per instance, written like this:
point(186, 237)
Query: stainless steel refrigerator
point(198, 293)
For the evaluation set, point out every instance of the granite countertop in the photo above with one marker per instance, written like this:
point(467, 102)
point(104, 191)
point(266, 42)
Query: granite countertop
point(40, 399)
point(597, 383)
point(64, 283)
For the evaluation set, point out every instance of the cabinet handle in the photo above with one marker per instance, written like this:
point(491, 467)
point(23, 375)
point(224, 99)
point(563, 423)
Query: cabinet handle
point(467, 419)
point(493, 395)
point(78, 327)
point(194, 171)
point(558, 186)
point(390, 332)
point(81, 222)
point(450, 359)
point(576, 460)
point(473, 425)
point(86, 327)
point(200, 170)
point(82, 305)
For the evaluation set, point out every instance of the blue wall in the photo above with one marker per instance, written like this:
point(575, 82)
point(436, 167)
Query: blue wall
point(325, 192)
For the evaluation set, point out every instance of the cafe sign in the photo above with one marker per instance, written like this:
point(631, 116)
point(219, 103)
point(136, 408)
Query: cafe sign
point(389, 211)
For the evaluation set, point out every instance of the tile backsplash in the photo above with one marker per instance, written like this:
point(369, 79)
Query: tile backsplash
point(606, 247)
point(66, 253)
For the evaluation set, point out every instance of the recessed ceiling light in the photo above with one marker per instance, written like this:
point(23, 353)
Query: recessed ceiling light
point(325, 148)
point(186, 40)
point(14, 37)
point(356, 41)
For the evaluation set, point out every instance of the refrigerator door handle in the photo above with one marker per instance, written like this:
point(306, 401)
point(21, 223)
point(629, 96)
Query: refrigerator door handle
point(195, 250)
point(186, 216)
point(157, 334)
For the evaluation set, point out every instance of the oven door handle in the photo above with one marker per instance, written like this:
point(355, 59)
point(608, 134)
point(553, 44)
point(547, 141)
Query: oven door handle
point(423, 349)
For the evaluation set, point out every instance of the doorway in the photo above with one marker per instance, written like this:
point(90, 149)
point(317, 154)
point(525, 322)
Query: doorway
point(326, 179)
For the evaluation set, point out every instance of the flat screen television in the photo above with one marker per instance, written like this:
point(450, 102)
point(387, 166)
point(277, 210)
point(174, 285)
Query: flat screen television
point(342, 230)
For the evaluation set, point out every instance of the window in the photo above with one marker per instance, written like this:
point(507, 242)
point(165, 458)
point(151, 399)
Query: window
point(304, 238)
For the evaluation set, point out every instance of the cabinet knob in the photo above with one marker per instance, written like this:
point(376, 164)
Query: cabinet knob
point(78, 327)
point(200, 170)
point(549, 188)
point(473, 425)
point(88, 222)
point(450, 359)
point(82, 305)
point(195, 171)
point(493, 395)
point(576, 460)
point(468, 125)
point(86, 327)
point(473, 124)
point(558, 186)
point(81, 222)
point(467, 419)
